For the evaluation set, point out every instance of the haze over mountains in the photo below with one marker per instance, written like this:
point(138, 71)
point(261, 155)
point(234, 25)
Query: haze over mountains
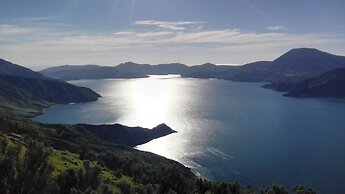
point(76, 72)
point(292, 67)
point(295, 65)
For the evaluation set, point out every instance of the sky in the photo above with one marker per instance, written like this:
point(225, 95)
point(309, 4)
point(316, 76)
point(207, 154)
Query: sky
point(43, 33)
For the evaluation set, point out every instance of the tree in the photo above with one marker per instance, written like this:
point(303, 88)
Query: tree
point(299, 189)
point(80, 180)
point(274, 189)
point(25, 170)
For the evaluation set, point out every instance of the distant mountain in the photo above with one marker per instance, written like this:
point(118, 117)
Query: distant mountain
point(293, 66)
point(207, 70)
point(8, 68)
point(251, 72)
point(160, 69)
point(133, 70)
point(77, 72)
point(329, 84)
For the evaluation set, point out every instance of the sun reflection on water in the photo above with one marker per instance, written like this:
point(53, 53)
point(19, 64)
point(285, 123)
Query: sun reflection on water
point(152, 101)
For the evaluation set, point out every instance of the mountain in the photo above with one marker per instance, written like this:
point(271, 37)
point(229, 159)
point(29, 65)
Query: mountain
point(251, 72)
point(329, 84)
point(8, 68)
point(30, 96)
point(133, 70)
point(77, 72)
point(25, 92)
point(293, 66)
point(123, 70)
point(207, 70)
point(160, 69)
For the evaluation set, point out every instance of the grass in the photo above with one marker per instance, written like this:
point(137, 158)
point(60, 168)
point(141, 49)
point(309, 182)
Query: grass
point(63, 160)
point(11, 108)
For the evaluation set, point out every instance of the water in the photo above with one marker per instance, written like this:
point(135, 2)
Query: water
point(226, 131)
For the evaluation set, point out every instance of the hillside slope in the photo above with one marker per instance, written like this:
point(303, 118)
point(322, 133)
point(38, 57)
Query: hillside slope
point(8, 68)
point(293, 66)
point(27, 97)
point(329, 84)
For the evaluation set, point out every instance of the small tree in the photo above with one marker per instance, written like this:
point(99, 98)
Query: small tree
point(274, 189)
point(25, 170)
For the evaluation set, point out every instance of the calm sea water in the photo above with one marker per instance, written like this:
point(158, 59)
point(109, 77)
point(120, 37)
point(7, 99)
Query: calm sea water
point(226, 131)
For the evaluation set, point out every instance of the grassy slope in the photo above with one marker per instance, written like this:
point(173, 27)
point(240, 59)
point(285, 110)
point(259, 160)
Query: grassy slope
point(67, 155)
point(27, 97)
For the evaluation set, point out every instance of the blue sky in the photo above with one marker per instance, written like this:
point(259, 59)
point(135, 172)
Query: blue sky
point(42, 33)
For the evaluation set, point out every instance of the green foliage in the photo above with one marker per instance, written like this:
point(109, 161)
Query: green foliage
point(80, 180)
point(81, 163)
point(24, 170)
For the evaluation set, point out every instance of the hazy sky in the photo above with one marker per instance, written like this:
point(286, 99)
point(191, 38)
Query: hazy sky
point(42, 33)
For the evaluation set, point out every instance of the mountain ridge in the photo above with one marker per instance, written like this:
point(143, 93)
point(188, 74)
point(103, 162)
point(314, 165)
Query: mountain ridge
point(293, 66)
point(9, 68)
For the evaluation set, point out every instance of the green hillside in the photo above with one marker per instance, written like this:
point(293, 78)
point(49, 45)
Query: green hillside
point(27, 97)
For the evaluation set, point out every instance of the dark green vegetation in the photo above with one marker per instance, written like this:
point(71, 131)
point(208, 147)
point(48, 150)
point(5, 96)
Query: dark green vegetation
point(44, 158)
point(116, 133)
point(28, 96)
point(24, 92)
point(329, 84)
point(37, 158)
point(294, 66)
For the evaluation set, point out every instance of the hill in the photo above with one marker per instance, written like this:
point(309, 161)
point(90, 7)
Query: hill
point(329, 84)
point(133, 70)
point(207, 70)
point(160, 69)
point(25, 92)
point(293, 66)
point(77, 72)
point(29, 96)
point(8, 68)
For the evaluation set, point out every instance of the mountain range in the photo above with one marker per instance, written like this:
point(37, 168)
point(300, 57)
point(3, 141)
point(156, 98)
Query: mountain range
point(294, 66)
point(77, 72)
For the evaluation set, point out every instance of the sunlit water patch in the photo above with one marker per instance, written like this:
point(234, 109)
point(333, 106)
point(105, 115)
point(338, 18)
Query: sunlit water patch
point(226, 131)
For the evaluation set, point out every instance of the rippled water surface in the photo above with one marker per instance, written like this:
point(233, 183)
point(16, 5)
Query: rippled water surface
point(226, 130)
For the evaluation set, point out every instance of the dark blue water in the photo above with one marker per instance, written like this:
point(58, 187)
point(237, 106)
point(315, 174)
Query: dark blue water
point(226, 131)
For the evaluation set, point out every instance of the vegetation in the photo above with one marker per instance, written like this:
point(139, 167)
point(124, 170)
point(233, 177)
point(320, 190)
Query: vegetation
point(37, 158)
point(23, 92)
